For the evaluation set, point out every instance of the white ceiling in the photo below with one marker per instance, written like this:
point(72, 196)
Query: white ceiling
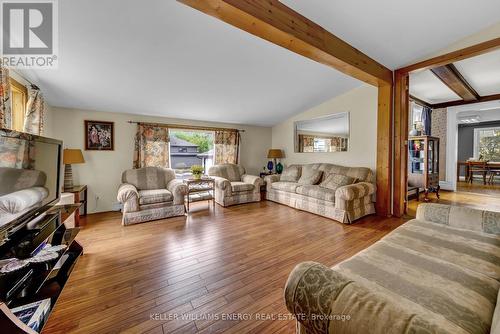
point(426, 86)
point(482, 72)
point(163, 58)
point(397, 33)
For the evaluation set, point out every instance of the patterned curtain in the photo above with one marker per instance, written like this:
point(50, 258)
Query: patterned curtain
point(151, 146)
point(5, 103)
point(35, 113)
point(226, 145)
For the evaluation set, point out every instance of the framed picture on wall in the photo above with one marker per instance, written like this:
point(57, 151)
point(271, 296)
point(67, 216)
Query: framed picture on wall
point(99, 136)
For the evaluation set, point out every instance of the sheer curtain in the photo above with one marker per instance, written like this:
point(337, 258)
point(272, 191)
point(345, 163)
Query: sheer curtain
point(5, 107)
point(226, 146)
point(35, 112)
point(151, 147)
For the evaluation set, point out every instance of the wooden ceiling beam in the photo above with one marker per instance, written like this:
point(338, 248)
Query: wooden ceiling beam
point(421, 102)
point(461, 102)
point(452, 78)
point(281, 25)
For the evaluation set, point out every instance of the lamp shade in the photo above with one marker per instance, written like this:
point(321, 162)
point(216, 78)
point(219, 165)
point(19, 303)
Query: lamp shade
point(72, 156)
point(275, 154)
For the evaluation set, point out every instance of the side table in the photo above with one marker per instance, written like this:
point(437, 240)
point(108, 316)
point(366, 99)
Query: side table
point(200, 190)
point(77, 191)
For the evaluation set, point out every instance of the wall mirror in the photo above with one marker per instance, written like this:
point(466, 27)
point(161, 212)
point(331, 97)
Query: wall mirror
point(324, 134)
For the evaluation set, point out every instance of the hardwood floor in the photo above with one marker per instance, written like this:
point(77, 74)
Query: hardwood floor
point(475, 196)
point(229, 261)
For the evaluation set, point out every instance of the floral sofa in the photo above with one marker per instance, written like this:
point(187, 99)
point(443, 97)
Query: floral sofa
point(344, 204)
point(438, 273)
point(151, 193)
point(233, 186)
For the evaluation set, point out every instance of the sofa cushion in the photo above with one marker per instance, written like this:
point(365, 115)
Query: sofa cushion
point(148, 178)
point(285, 186)
point(154, 196)
point(310, 176)
point(291, 174)
point(315, 191)
point(334, 181)
point(231, 172)
point(241, 186)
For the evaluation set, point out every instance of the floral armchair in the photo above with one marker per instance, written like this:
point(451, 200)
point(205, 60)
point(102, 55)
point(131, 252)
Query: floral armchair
point(233, 186)
point(150, 193)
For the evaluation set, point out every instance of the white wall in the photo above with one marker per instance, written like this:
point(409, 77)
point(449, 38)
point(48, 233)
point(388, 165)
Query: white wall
point(362, 104)
point(102, 169)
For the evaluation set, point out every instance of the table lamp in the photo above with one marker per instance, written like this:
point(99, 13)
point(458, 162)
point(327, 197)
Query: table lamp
point(275, 154)
point(71, 156)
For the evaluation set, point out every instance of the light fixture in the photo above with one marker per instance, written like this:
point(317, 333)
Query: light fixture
point(470, 119)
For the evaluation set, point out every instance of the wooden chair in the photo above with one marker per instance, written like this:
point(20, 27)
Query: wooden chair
point(492, 174)
point(477, 167)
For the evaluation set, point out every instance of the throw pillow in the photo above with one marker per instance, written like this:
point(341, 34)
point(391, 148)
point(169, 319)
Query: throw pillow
point(310, 176)
point(291, 174)
point(334, 181)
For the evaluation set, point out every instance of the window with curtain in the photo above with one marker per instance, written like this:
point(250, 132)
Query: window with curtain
point(151, 147)
point(226, 146)
point(19, 95)
point(487, 143)
point(5, 103)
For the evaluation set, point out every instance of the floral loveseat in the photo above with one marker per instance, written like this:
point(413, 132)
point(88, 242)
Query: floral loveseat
point(234, 186)
point(344, 204)
point(438, 273)
point(151, 193)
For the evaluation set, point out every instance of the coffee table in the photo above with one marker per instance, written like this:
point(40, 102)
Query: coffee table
point(200, 190)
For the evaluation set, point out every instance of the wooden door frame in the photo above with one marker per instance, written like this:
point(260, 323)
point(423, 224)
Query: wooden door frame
point(401, 113)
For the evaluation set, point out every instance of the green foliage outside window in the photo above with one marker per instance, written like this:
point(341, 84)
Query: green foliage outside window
point(204, 140)
point(489, 147)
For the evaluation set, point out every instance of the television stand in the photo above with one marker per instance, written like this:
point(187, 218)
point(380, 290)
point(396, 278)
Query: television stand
point(40, 279)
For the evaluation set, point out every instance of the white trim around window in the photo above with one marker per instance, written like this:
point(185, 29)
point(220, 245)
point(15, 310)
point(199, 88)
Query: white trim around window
point(476, 138)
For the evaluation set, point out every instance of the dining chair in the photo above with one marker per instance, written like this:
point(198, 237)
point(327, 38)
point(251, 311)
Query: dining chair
point(492, 174)
point(477, 167)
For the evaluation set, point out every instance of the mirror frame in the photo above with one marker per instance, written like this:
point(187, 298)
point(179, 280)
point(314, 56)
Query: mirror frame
point(295, 123)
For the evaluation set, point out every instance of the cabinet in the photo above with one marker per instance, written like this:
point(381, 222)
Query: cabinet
point(423, 164)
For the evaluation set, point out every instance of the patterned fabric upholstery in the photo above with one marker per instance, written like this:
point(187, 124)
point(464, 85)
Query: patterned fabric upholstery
point(285, 186)
point(231, 172)
point(241, 186)
point(154, 196)
point(424, 277)
point(315, 191)
point(291, 173)
point(460, 217)
point(148, 178)
point(334, 181)
point(349, 203)
point(310, 176)
point(150, 193)
point(233, 186)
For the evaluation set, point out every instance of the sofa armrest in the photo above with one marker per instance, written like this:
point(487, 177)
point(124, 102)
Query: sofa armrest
point(129, 197)
point(269, 179)
point(222, 185)
point(252, 179)
point(460, 217)
point(324, 300)
point(178, 189)
point(355, 191)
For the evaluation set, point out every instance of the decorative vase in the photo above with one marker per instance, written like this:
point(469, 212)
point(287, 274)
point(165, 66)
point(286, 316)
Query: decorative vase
point(270, 166)
point(414, 131)
point(197, 176)
point(279, 168)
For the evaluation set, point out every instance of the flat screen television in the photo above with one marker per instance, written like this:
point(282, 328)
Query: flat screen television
point(29, 177)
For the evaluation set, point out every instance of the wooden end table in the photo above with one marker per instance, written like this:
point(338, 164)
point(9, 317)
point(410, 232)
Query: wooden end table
point(200, 190)
point(77, 191)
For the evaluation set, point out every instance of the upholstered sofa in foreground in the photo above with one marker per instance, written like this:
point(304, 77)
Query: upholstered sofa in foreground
point(438, 273)
point(344, 204)
point(150, 193)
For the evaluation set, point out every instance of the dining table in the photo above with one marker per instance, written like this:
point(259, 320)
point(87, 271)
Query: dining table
point(489, 165)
